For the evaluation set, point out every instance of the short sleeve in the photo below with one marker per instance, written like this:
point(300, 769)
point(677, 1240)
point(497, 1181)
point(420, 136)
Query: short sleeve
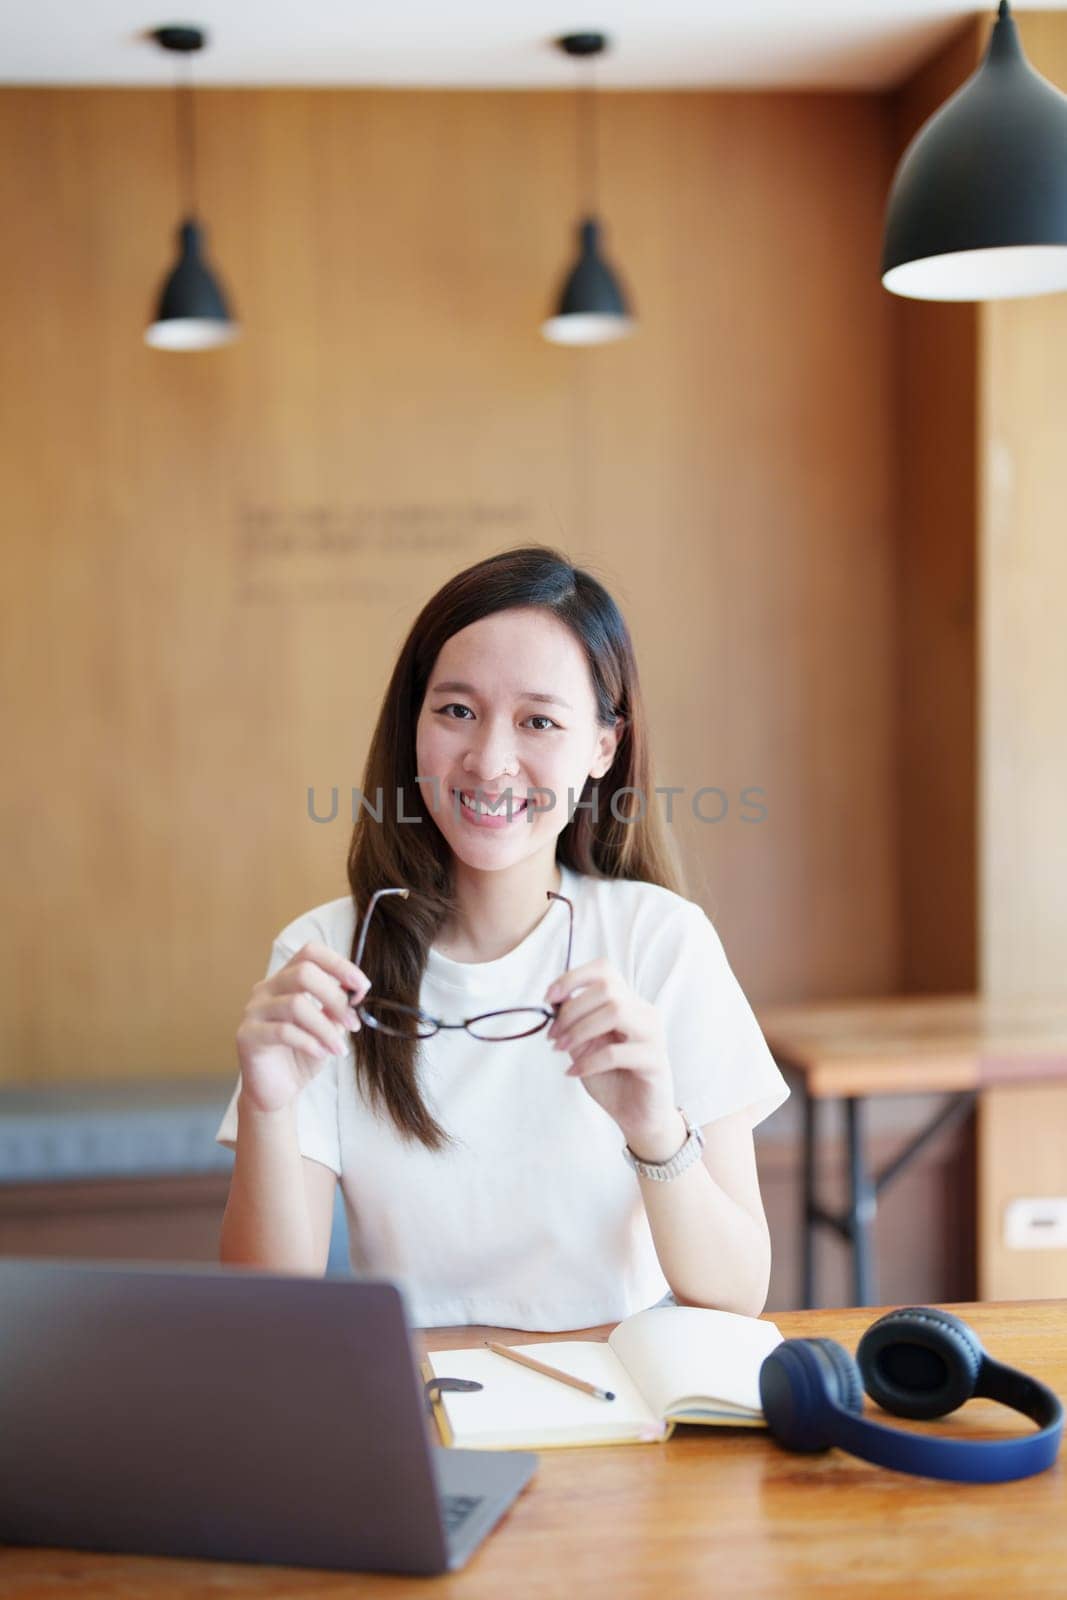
point(719, 1058)
point(317, 1127)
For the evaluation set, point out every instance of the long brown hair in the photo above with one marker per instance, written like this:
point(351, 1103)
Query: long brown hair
point(386, 853)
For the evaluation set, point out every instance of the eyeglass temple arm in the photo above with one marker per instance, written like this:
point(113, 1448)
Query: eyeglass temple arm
point(375, 897)
point(378, 893)
point(570, 925)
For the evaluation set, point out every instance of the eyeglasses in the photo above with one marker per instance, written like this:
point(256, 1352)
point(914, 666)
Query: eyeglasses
point(409, 1022)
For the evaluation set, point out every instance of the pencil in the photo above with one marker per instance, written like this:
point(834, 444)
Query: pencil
point(550, 1372)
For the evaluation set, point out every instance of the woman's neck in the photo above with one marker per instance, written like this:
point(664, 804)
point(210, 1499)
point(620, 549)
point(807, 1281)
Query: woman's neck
point(497, 910)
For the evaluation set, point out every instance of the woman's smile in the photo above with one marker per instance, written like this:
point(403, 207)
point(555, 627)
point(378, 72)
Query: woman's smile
point(474, 808)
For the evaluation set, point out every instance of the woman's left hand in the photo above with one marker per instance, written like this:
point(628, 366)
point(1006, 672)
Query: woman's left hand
point(617, 1048)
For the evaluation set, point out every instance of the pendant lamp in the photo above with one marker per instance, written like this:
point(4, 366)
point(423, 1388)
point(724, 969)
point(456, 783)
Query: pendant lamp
point(978, 205)
point(192, 313)
point(591, 308)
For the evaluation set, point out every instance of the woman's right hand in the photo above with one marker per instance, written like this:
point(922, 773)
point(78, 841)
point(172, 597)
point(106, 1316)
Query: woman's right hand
point(284, 1036)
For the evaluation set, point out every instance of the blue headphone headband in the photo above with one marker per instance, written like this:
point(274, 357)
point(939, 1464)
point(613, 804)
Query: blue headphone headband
point(919, 1361)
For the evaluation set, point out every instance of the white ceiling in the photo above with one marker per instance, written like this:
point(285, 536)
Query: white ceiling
point(779, 44)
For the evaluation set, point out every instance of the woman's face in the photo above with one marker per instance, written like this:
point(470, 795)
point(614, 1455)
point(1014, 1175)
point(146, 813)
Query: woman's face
point(509, 708)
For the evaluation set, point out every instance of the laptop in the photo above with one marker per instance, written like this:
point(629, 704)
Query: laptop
point(230, 1415)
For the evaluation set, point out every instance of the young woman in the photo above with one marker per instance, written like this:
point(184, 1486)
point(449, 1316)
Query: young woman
point(521, 1051)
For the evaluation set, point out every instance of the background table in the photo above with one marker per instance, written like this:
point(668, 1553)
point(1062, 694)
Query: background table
point(962, 1045)
point(712, 1512)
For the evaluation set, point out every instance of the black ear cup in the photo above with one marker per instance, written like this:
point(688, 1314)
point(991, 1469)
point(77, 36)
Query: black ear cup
point(920, 1361)
point(796, 1380)
point(849, 1389)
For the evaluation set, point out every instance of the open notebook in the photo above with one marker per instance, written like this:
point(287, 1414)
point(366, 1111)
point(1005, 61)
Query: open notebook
point(667, 1365)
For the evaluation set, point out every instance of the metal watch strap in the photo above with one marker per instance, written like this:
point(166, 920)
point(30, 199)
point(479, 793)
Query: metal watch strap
point(663, 1171)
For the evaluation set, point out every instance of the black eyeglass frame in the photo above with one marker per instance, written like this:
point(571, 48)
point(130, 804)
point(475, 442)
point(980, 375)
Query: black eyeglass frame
point(548, 1013)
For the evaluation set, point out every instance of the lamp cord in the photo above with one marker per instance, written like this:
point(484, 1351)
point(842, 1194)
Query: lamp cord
point(186, 146)
point(587, 145)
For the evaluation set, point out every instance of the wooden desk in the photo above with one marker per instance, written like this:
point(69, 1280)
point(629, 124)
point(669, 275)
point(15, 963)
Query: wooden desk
point(924, 1044)
point(713, 1512)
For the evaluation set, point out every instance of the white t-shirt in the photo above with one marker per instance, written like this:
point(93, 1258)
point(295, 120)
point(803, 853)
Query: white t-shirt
point(532, 1219)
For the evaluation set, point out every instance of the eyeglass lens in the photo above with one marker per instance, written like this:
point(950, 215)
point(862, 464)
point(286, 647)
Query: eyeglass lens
point(401, 1022)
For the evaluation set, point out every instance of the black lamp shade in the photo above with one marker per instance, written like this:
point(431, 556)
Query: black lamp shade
point(592, 308)
point(192, 313)
point(978, 205)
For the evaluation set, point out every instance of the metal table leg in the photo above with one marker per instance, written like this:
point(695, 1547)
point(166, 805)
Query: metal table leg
point(808, 1218)
point(862, 1205)
point(855, 1224)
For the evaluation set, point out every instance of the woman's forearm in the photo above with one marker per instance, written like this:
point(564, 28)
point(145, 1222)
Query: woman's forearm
point(266, 1223)
point(713, 1252)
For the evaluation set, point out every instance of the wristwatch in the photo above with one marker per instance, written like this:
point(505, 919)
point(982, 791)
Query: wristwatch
point(663, 1171)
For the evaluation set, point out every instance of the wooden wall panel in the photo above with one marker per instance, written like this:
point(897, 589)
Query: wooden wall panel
point(116, 1219)
point(983, 667)
point(1022, 1155)
point(777, 521)
point(935, 347)
point(1023, 565)
point(1022, 556)
point(211, 559)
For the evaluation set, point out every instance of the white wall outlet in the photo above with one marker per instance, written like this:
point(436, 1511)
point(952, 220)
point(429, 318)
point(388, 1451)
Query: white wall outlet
point(1036, 1224)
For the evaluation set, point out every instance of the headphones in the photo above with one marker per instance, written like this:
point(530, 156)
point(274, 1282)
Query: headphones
point(916, 1362)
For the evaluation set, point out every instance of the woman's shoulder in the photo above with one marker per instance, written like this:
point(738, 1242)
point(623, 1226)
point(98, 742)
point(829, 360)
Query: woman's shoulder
point(333, 923)
point(648, 932)
point(636, 903)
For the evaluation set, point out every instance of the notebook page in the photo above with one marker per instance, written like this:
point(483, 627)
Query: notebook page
point(522, 1408)
point(679, 1354)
